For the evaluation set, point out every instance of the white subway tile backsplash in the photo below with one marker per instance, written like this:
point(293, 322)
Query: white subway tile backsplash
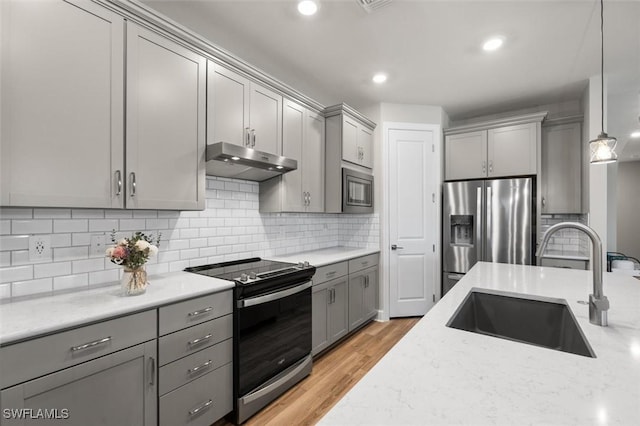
point(27, 288)
point(5, 291)
point(32, 226)
point(230, 228)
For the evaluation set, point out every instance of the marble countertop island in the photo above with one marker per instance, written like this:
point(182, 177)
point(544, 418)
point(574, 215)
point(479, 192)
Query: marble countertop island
point(33, 317)
point(441, 376)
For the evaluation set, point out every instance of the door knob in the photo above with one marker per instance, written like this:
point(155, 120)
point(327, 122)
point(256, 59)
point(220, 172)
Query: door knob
point(395, 247)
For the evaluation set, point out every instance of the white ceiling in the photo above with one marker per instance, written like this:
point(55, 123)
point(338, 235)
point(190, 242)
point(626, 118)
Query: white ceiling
point(432, 52)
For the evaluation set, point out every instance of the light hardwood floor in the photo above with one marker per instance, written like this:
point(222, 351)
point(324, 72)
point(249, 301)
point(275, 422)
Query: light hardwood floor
point(334, 373)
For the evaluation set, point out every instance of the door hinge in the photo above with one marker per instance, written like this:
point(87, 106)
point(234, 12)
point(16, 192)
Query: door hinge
point(434, 297)
point(434, 248)
point(433, 197)
point(433, 148)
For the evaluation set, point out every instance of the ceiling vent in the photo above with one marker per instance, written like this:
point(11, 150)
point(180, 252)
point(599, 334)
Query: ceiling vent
point(372, 5)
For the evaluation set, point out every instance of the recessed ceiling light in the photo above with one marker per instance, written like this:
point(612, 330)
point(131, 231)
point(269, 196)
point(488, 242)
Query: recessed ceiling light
point(493, 43)
point(636, 134)
point(307, 7)
point(379, 78)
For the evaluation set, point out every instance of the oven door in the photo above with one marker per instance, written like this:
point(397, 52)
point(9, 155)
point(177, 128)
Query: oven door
point(357, 192)
point(274, 332)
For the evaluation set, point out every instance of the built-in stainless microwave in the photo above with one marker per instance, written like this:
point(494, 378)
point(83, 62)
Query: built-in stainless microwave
point(357, 192)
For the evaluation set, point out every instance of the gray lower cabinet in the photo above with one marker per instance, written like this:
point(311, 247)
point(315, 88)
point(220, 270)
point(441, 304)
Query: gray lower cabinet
point(330, 313)
point(363, 296)
point(101, 374)
point(195, 357)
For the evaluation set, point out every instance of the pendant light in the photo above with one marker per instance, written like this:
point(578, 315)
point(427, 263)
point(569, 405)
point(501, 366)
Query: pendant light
point(603, 147)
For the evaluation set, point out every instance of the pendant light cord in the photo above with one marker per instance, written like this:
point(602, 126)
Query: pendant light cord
point(602, 65)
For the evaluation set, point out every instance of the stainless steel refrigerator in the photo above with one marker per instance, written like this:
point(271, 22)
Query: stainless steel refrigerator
point(486, 220)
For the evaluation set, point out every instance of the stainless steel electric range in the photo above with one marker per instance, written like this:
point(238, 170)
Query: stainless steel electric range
point(272, 328)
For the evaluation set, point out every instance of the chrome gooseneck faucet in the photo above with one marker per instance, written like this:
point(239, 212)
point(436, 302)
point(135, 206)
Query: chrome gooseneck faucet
point(598, 302)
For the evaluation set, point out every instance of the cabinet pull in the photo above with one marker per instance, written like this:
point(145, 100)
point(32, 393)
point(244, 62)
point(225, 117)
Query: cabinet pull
point(253, 138)
point(247, 134)
point(330, 274)
point(132, 176)
point(200, 312)
point(366, 281)
point(544, 202)
point(332, 298)
point(484, 167)
point(365, 263)
point(152, 363)
point(200, 408)
point(491, 166)
point(200, 340)
point(309, 199)
point(200, 367)
point(118, 182)
point(91, 344)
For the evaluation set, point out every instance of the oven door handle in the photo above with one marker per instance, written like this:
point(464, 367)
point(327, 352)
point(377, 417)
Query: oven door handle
point(252, 301)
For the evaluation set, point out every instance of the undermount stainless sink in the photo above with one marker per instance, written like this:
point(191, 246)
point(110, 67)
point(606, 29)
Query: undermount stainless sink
point(536, 320)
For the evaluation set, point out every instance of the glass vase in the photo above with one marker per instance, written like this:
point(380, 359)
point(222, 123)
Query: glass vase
point(134, 281)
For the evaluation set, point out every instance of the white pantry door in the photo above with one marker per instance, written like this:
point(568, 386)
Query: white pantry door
point(412, 216)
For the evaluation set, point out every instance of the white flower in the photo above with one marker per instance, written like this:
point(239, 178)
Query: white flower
point(109, 252)
point(142, 245)
point(153, 250)
point(123, 242)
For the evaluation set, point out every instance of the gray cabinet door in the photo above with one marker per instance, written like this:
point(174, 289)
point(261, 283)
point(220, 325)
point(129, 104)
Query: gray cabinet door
point(165, 123)
point(512, 150)
point(338, 314)
point(227, 106)
point(265, 116)
point(561, 168)
point(293, 122)
point(320, 298)
point(116, 389)
point(465, 155)
point(370, 296)
point(356, 302)
point(62, 104)
point(313, 156)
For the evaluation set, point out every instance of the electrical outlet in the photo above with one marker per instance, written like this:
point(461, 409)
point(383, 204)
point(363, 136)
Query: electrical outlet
point(40, 248)
point(97, 247)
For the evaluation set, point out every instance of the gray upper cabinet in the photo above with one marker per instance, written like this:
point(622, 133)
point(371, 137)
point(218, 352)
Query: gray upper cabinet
point(500, 148)
point(301, 190)
point(562, 166)
point(349, 137)
point(242, 112)
point(62, 105)
point(165, 123)
point(63, 131)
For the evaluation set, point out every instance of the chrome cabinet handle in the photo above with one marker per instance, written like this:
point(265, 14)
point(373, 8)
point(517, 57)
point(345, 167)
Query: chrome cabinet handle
point(396, 247)
point(118, 182)
point(253, 138)
point(200, 408)
point(200, 367)
point(91, 344)
point(247, 138)
point(491, 166)
point(544, 201)
point(132, 176)
point(152, 362)
point(200, 340)
point(330, 274)
point(309, 201)
point(484, 167)
point(200, 312)
point(366, 281)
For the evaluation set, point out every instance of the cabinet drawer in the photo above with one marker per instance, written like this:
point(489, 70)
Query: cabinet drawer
point(191, 367)
point(190, 340)
point(329, 272)
point(200, 402)
point(363, 262)
point(33, 358)
point(195, 311)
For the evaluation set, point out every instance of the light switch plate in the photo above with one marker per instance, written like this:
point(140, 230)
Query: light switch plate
point(40, 248)
point(97, 247)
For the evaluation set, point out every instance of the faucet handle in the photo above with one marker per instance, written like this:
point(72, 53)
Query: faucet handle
point(598, 308)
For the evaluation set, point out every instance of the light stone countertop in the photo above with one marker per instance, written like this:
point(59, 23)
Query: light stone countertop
point(438, 375)
point(326, 256)
point(38, 316)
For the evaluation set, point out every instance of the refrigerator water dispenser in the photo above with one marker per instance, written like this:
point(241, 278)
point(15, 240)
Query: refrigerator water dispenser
point(462, 230)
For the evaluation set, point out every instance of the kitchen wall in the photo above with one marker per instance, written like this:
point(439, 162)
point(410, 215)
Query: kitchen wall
point(231, 227)
point(568, 241)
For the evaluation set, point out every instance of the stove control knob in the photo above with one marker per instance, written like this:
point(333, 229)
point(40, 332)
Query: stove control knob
point(306, 264)
point(243, 277)
point(252, 275)
point(300, 265)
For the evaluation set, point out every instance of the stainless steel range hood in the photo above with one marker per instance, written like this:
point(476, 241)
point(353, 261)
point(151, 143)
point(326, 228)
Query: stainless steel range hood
point(235, 161)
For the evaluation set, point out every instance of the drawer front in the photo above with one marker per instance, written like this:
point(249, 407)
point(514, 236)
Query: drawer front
point(195, 311)
point(34, 358)
point(363, 262)
point(194, 366)
point(200, 402)
point(329, 272)
point(190, 340)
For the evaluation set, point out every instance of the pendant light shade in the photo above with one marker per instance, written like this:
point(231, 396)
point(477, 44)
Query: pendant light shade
point(603, 147)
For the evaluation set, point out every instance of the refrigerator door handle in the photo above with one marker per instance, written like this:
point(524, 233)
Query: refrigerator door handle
point(488, 256)
point(479, 222)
